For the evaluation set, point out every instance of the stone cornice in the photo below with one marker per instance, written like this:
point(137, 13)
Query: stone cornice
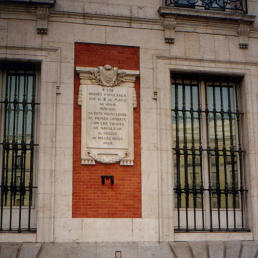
point(185, 23)
point(163, 11)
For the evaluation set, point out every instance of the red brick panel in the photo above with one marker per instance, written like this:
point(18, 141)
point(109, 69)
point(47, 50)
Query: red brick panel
point(91, 199)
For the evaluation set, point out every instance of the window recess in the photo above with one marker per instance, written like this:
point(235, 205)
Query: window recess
point(209, 189)
point(17, 148)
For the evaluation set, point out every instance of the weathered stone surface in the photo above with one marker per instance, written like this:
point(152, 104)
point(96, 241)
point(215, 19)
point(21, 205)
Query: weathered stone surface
point(59, 250)
point(87, 250)
point(107, 250)
point(210, 249)
point(107, 95)
point(155, 250)
point(216, 249)
point(232, 249)
point(249, 249)
point(199, 249)
point(29, 250)
point(181, 249)
point(9, 251)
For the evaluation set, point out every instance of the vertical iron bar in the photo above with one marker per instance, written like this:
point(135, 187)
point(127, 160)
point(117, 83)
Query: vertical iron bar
point(232, 157)
point(240, 156)
point(208, 152)
point(16, 136)
point(22, 151)
point(193, 156)
point(5, 144)
point(186, 191)
point(177, 154)
point(13, 153)
point(8, 138)
point(216, 152)
point(32, 150)
point(224, 153)
point(16, 149)
point(200, 153)
point(25, 150)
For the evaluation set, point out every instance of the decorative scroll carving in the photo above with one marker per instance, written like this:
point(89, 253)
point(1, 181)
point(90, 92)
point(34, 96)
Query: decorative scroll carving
point(42, 15)
point(106, 76)
point(243, 32)
point(106, 157)
point(107, 97)
point(169, 29)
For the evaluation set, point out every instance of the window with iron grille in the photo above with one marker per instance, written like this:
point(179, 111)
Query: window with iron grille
point(207, 154)
point(17, 147)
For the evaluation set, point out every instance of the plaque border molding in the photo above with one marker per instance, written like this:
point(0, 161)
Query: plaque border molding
point(107, 76)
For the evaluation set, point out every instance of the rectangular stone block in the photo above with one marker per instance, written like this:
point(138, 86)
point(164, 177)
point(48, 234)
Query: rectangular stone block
point(107, 230)
point(145, 230)
point(207, 46)
point(68, 230)
point(199, 249)
point(9, 250)
point(155, 250)
point(232, 249)
point(216, 249)
point(108, 250)
point(181, 249)
point(192, 45)
point(249, 249)
point(29, 250)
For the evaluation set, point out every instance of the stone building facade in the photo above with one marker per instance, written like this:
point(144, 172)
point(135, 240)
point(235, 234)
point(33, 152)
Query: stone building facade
point(128, 128)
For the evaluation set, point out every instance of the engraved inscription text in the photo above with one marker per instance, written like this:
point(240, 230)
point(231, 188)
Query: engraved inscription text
point(107, 117)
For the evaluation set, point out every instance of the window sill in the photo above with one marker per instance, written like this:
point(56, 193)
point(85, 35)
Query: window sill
point(216, 236)
point(207, 14)
point(18, 237)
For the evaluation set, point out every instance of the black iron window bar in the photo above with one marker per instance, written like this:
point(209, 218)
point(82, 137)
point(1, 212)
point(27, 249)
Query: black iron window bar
point(209, 181)
point(239, 6)
point(18, 149)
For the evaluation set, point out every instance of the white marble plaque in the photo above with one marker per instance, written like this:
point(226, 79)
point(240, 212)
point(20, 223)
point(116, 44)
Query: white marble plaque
point(107, 97)
point(107, 117)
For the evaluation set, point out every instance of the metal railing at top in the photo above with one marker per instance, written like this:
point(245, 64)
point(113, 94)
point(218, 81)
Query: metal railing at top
point(233, 6)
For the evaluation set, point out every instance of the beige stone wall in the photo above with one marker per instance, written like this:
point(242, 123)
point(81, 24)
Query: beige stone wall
point(211, 46)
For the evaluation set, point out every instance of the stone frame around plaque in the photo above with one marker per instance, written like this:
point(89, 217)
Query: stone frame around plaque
point(107, 97)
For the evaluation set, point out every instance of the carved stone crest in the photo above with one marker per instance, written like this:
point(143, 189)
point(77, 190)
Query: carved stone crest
point(107, 76)
point(243, 32)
